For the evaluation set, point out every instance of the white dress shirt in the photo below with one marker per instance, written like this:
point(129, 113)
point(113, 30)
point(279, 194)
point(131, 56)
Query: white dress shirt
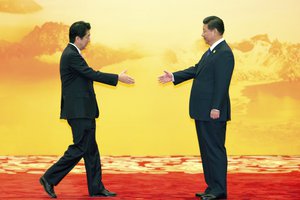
point(216, 44)
point(76, 48)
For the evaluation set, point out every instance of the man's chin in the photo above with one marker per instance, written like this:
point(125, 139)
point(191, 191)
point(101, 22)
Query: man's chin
point(85, 46)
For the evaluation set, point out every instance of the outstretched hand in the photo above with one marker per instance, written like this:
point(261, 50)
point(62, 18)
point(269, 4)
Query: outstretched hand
point(124, 78)
point(166, 77)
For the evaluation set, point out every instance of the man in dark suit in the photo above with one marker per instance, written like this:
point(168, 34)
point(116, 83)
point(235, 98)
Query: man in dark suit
point(210, 104)
point(79, 107)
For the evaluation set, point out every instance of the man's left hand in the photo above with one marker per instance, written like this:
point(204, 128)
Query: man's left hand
point(215, 114)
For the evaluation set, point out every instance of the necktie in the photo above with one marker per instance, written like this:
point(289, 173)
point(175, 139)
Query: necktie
point(208, 52)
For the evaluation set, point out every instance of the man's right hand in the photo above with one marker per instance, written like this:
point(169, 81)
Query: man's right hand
point(124, 78)
point(165, 78)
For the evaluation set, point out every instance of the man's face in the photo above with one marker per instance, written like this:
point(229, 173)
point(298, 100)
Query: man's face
point(83, 42)
point(208, 35)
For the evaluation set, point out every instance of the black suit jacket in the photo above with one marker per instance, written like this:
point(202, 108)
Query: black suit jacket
point(78, 98)
point(212, 75)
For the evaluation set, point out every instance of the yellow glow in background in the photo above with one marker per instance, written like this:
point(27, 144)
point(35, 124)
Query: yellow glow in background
point(147, 37)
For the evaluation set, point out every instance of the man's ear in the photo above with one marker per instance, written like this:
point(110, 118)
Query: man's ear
point(216, 32)
point(77, 38)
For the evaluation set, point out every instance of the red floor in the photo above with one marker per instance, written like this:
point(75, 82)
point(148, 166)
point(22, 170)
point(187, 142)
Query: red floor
point(241, 186)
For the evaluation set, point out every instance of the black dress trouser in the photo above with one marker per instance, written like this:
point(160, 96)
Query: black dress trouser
point(211, 139)
point(85, 146)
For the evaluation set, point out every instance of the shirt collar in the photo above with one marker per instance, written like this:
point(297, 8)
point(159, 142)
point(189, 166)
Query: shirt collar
point(216, 44)
point(76, 48)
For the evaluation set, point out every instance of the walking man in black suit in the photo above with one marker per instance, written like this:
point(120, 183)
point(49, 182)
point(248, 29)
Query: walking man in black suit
point(79, 107)
point(210, 104)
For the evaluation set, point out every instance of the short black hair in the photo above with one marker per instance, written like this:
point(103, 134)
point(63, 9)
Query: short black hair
point(78, 29)
point(214, 22)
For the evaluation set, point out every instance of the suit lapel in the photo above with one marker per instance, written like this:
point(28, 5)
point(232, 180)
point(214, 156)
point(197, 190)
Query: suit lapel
point(202, 63)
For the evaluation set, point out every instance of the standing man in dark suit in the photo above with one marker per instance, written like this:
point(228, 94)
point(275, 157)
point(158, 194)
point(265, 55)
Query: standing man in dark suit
point(210, 104)
point(79, 107)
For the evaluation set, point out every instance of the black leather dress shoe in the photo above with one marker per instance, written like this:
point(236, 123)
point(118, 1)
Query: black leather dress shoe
point(211, 196)
point(48, 187)
point(104, 193)
point(199, 194)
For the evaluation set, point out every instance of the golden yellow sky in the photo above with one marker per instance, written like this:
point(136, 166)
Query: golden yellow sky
point(157, 23)
point(147, 37)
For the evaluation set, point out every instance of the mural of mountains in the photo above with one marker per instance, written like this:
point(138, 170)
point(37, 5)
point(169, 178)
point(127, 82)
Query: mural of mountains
point(259, 59)
point(19, 6)
point(37, 55)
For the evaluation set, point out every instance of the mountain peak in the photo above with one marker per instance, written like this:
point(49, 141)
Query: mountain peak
point(48, 38)
point(19, 6)
point(261, 37)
